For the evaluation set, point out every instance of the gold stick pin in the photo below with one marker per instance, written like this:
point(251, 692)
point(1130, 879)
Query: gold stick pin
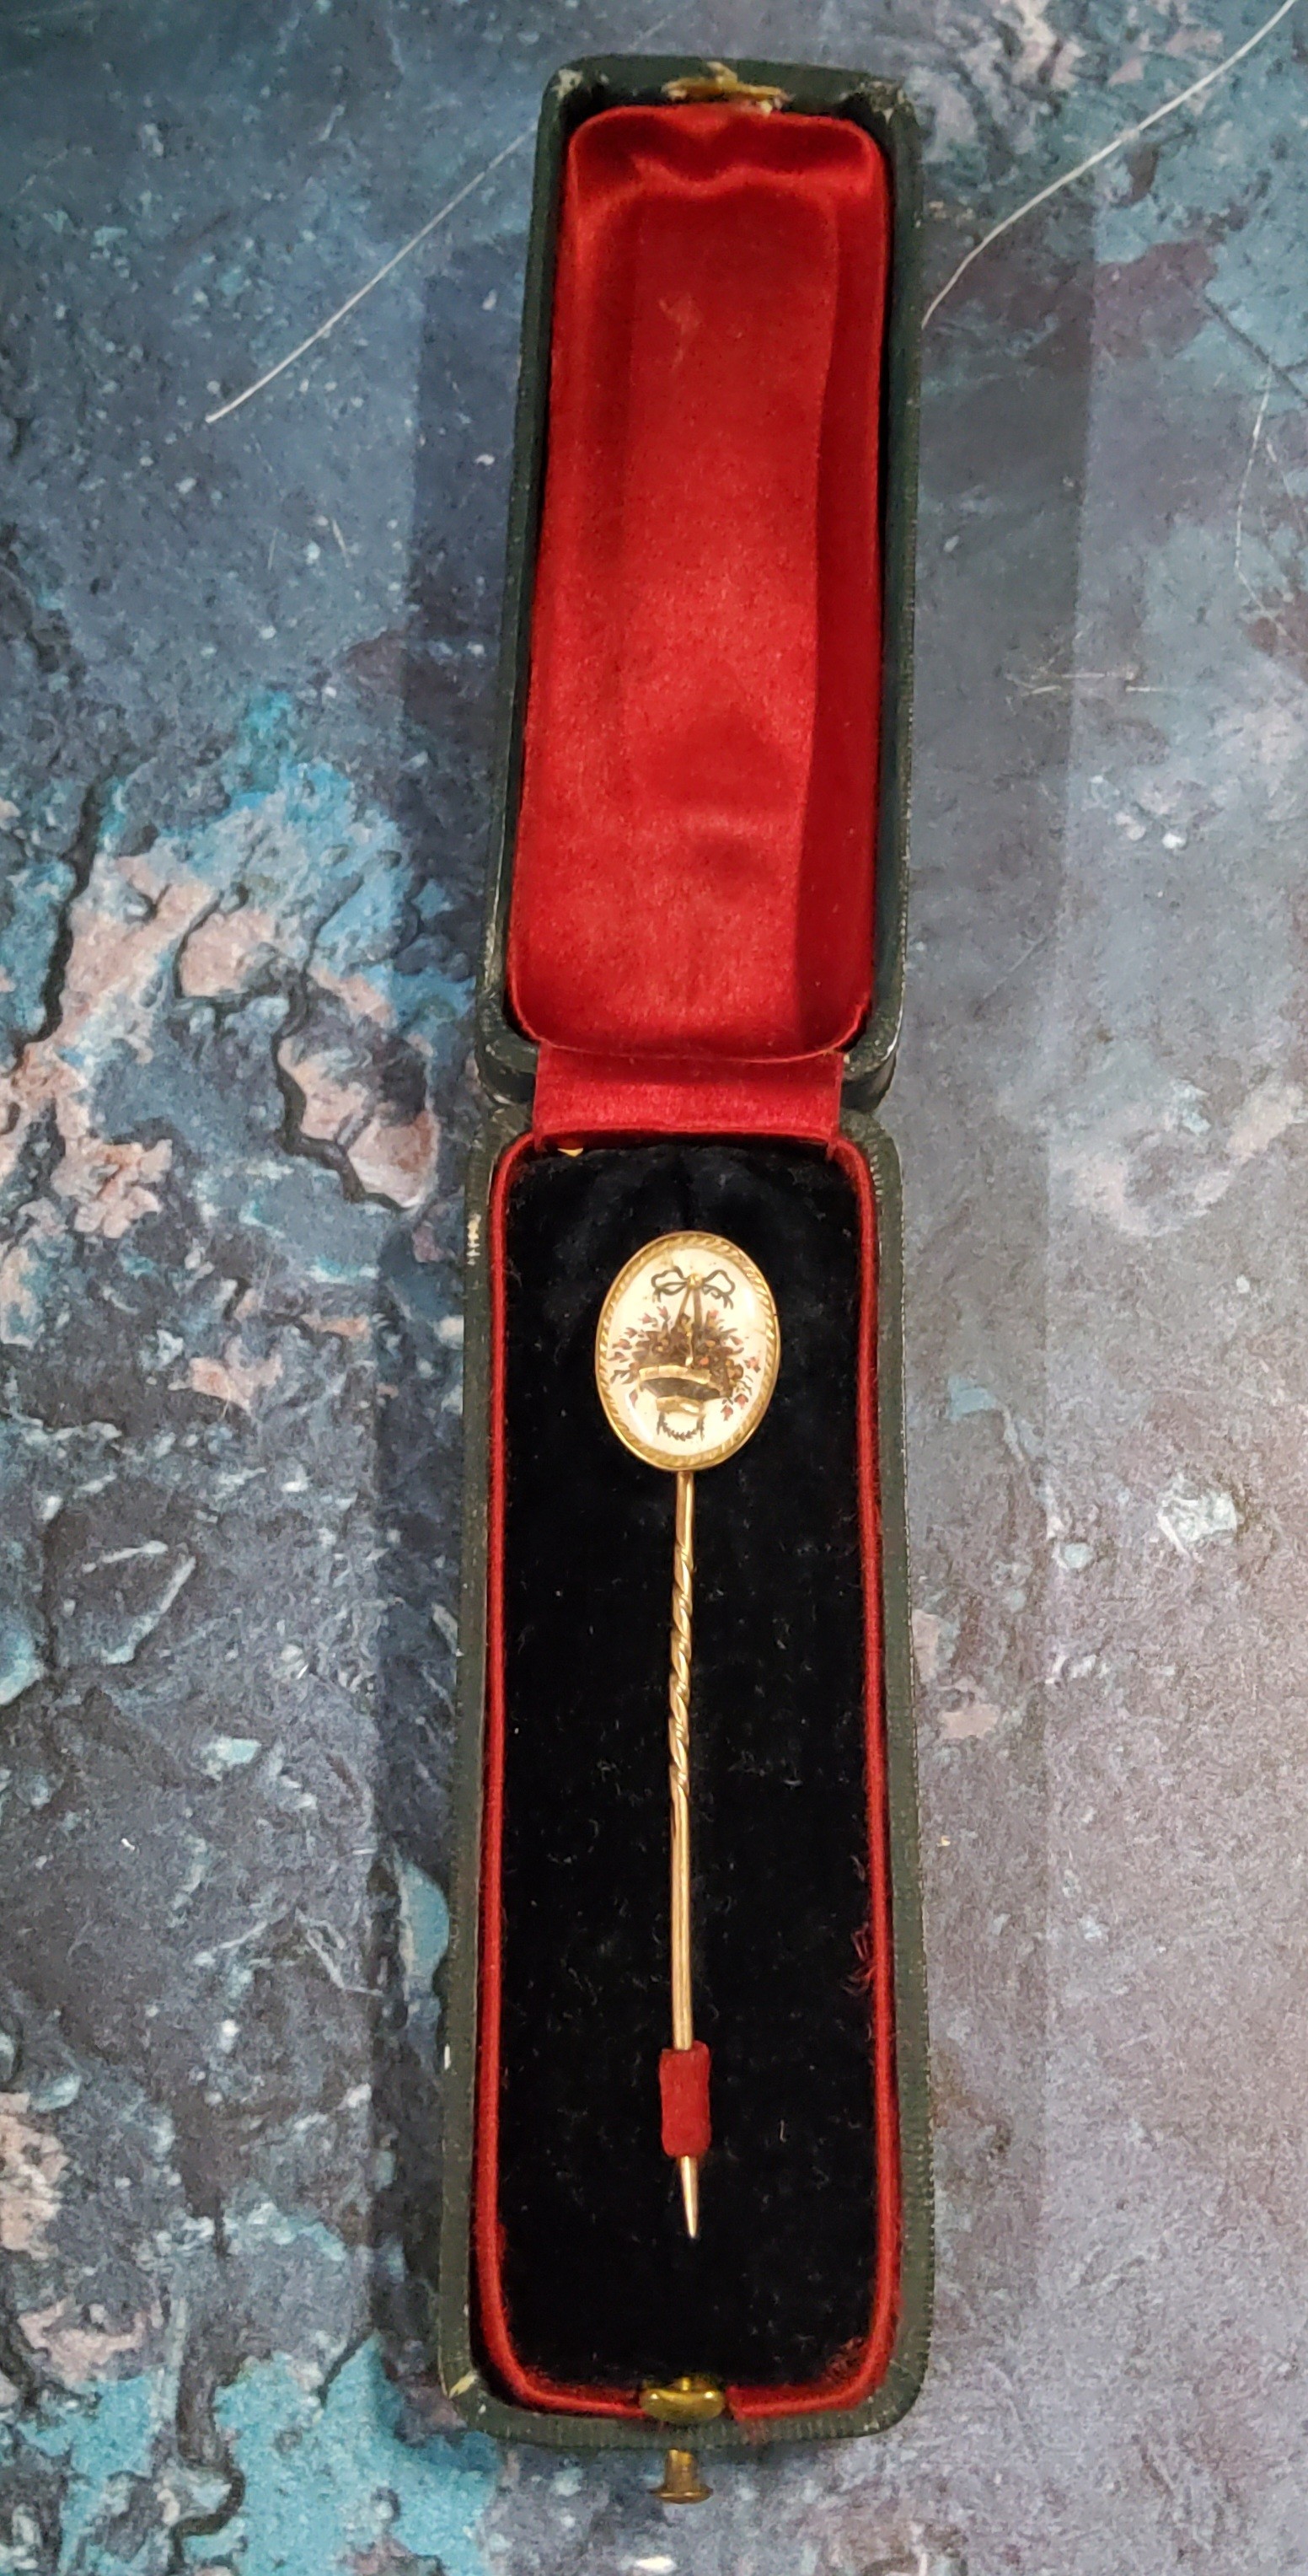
point(685, 1360)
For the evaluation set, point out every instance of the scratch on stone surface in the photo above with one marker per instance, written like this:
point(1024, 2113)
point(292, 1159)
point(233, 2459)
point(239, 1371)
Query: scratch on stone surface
point(125, 1649)
point(125, 1555)
point(1279, 375)
point(31, 2163)
point(319, 1939)
point(1240, 573)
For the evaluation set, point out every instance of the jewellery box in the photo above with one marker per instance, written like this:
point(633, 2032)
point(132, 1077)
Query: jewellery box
point(688, 1006)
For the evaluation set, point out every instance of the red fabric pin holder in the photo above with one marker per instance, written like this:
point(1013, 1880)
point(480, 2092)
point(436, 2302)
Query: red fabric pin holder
point(684, 2091)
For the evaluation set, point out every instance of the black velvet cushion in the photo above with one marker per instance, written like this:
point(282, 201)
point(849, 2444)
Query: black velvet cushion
point(602, 2285)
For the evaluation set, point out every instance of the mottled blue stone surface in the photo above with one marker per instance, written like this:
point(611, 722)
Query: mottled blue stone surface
point(246, 672)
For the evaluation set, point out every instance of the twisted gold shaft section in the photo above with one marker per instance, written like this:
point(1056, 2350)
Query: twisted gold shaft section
point(683, 1593)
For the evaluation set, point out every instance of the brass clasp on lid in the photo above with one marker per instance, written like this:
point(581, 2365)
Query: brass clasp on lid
point(692, 2399)
point(720, 86)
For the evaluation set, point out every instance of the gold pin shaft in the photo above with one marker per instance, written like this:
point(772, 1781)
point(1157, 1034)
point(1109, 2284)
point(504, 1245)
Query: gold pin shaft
point(683, 2013)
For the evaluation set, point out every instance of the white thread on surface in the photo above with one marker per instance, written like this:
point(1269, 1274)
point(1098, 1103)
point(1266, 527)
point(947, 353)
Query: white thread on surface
point(405, 250)
point(1119, 143)
point(414, 242)
point(1106, 150)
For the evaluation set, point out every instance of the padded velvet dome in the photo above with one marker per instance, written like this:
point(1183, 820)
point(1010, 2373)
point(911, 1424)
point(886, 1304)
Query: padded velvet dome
point(694, 865)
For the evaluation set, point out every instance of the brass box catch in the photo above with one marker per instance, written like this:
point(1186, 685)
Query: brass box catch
point(689, 2400)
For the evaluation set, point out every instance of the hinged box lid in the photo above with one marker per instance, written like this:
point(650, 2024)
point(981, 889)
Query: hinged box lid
point(622, 941)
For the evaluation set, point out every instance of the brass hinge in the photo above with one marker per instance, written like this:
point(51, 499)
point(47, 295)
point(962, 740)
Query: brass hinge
point(718, 83)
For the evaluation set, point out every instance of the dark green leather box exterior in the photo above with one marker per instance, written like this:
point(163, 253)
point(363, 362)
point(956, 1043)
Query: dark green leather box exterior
point(507, 1064)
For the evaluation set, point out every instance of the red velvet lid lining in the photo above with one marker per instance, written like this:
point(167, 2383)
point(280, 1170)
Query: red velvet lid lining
point(693, 876)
